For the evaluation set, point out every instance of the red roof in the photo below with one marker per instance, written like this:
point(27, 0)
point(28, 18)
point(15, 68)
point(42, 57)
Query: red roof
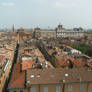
point(18, 78)
point(78, 62)
point(64, 63)
point(74, 61)
point(59, 76)
point(27, 64)
point(1, 59)
point(15, 35)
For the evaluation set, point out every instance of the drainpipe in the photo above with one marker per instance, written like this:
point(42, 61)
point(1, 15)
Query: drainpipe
point(87, 87)
point(39, 87)
point(63, 89)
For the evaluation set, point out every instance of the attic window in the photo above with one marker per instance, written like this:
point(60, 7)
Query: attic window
point(38, 75)
point(32, 76)
point(66, 75)
point(52, 75)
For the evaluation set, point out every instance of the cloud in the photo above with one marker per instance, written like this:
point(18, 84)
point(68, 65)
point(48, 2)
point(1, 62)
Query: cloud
point(7, 4)
point(39, 1)
point(64, 5)
point(43, 1)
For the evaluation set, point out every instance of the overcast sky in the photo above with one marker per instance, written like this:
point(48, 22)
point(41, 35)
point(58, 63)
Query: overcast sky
point(45, 13)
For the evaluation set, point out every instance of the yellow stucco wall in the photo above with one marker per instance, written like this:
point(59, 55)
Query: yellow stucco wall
point(52, 88)
point(10, 91)
point(19, 90)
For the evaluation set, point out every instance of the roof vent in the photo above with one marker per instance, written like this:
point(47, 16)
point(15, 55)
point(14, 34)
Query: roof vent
point(32, 76)
point(66, 75)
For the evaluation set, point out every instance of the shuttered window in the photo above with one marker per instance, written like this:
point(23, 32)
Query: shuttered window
point(69, 88)
point(33, 90)
point(45, 89)
point(81, 87)
point(57, 88)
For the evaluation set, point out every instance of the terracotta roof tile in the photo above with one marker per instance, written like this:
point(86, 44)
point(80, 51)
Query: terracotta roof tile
point(1, 59)
point(59, 76)
point(27, 64)
point(17, 78)
point(64, 63)
point(78, 62)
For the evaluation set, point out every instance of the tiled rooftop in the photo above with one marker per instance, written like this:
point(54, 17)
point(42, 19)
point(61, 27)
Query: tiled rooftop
point(47, 75)
point(64, 63)
point(78, 62)
point(27, 64)
point(1, 59)
point(59, 76)
point(18, 78)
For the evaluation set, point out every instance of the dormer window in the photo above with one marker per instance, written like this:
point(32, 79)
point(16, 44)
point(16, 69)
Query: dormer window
point(52, 76)
point(66, 75)
point(32, 76)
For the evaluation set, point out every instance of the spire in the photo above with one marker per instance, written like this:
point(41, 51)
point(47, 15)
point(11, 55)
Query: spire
point(60, 26)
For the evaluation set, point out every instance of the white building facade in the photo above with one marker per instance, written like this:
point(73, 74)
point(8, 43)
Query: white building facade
point(62, 32)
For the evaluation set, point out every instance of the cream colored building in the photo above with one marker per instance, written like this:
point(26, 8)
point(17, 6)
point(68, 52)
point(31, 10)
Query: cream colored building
point(58, 32)
point(62, 32)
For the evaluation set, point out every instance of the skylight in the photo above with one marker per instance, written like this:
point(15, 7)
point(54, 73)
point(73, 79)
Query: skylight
point(38, 75)
point(66, 74)
point(32, 76)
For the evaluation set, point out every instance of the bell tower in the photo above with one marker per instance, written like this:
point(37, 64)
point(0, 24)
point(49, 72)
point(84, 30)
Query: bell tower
point(13, 30)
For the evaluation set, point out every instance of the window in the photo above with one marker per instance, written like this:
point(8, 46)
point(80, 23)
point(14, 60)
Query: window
point(69, 88)
point(57, 88)
point(52, 75)
point(32, 76)
point(81, 87)
point(33, 90)
point(45, 89)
